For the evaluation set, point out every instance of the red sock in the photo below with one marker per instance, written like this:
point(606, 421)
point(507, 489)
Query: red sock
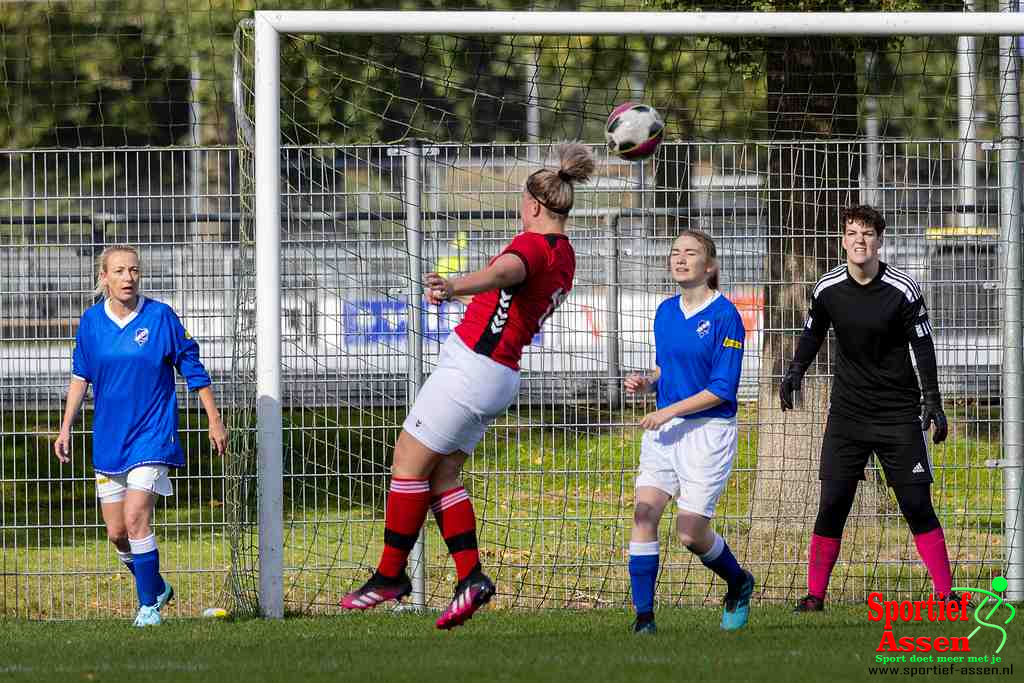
point(407, 505)
point(931, 546)
point(821, 558)
point(454, 513)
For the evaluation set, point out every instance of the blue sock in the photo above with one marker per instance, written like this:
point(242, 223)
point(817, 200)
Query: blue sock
point(721, 561)
point(146, 559)
point(126, 559)
point(643, 575)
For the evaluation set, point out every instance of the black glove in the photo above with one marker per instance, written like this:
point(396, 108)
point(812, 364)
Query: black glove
point(791, 382)
point(933, 414)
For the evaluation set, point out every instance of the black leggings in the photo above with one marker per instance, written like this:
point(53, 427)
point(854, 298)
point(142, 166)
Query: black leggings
point(915, 502)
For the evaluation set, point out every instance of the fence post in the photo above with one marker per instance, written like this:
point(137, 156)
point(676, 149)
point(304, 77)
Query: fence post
point(612, 323)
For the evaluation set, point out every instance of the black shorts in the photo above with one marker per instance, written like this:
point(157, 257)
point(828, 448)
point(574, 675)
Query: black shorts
point(902, 450)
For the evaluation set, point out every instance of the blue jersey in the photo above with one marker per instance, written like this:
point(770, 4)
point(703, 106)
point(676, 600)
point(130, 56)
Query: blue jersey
point(130, 364)
point(702, 351)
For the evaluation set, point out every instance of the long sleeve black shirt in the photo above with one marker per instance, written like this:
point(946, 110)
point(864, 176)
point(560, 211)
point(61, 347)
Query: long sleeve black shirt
point(874, 325)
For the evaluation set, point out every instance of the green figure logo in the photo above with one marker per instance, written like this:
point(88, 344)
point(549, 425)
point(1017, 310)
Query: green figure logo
point(998, 585)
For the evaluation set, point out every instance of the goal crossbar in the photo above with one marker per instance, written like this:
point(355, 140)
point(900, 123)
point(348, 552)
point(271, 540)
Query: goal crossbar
point(780, 24)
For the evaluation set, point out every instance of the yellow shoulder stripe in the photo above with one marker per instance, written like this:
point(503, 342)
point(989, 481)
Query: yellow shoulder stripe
point(732, 344)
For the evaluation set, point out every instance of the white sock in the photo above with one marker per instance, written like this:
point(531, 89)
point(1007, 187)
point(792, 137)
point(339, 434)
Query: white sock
point(717, 546)
point(143, 545)
point(643, 548)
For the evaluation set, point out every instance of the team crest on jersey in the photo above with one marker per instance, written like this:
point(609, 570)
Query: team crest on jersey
point(703, 327)
point(141, 336)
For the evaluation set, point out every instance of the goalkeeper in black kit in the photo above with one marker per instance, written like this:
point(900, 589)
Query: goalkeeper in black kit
point(878, 314)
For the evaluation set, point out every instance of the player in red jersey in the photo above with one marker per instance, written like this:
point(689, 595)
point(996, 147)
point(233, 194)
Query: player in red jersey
point(476, 379)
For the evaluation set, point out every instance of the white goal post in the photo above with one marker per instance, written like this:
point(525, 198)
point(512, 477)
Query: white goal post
point(270, 25)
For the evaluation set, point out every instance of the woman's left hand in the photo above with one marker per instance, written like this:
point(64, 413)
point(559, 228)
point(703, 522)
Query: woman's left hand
point(656, 419)
point(439, 289)
point(218, 435)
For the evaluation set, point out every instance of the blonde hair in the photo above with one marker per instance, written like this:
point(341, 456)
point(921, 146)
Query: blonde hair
point(709, 250)
point(101, 267)
point(554, 189)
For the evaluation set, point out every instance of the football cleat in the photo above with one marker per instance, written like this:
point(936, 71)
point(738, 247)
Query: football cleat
point(737, 607)
point(148, 615)
point(644, 628)
point(165, 597)
point(953, 596)
point(472, 593)
point(377, 590)
point(809, 603)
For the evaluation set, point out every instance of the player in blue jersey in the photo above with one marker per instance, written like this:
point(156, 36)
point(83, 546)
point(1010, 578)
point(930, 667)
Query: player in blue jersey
point(128, 347)
point(690, 440)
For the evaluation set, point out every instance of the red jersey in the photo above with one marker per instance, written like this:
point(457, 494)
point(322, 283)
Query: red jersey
point(499, 323)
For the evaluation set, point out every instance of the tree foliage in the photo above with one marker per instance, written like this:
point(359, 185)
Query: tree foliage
point(114, 73)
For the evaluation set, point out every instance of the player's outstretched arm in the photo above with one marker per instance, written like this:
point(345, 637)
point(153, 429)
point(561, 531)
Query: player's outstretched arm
point(507, 270)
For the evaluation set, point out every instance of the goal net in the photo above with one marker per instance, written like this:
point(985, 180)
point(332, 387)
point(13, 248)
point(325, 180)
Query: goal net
point(404, 150)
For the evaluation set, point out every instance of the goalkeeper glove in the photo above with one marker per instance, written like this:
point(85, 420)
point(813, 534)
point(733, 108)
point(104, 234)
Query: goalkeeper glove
point(791, 382)
point(933, 414)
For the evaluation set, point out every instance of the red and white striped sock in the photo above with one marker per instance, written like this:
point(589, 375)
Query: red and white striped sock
point(454, 514)
point(408, 501)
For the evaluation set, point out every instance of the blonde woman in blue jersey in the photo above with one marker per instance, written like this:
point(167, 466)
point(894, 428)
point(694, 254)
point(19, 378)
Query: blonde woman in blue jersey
point(127, 347)
point(690, 440)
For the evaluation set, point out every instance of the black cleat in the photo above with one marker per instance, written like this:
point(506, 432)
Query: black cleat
point(953, 596)
point(644, 627)
point(472, 593)
point(377, 590)
point(809, 603)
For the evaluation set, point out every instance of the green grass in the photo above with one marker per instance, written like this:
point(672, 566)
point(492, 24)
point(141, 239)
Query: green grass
point(591, 645)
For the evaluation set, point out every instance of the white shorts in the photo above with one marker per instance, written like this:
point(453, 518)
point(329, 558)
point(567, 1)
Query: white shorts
point(462, 396)
point(153, 478)
point(690, 460)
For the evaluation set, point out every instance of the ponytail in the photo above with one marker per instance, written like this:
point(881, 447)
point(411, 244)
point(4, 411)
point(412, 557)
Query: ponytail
point(554, 189)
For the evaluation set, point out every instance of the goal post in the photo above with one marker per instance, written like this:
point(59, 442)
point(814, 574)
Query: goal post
point(269, 26)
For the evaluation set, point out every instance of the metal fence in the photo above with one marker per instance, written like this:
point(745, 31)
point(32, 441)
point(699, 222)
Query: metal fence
point(552, 481)
point(58, 211)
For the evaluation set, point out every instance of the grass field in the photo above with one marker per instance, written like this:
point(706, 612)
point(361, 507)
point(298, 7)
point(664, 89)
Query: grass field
point(590, 645)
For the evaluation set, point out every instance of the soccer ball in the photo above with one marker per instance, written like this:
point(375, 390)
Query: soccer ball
point(634, 131)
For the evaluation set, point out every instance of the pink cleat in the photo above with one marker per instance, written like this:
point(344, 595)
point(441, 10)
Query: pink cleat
point(377, 590)
point(472, 593)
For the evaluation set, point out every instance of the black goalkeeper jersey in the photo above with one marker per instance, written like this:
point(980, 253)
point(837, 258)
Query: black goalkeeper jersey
point(874, 324)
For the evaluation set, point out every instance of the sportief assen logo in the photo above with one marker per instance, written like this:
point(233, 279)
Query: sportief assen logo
point(919, 610)
point(984, 615)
